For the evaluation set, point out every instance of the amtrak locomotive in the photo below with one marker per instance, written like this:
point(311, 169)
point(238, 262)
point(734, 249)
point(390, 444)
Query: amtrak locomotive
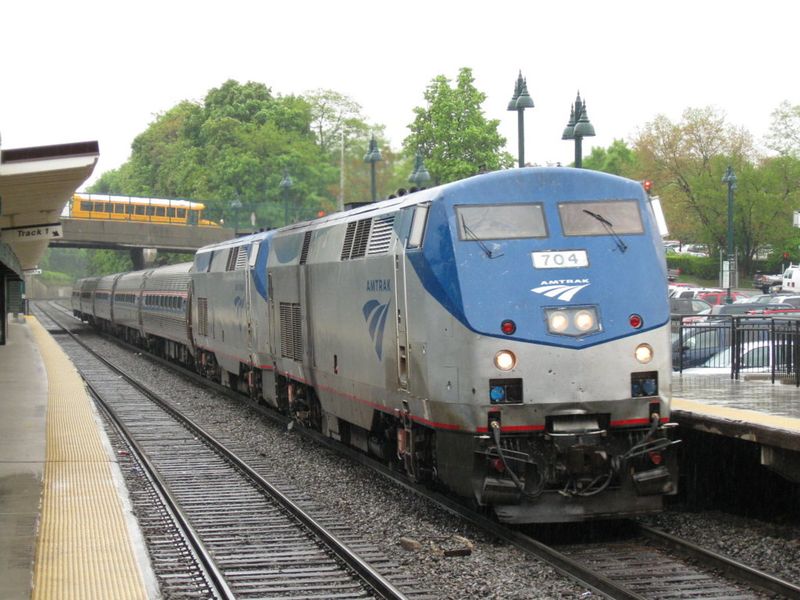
point(505, 337)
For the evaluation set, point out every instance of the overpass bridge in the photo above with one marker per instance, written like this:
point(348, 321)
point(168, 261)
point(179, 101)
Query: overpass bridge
point(136, 236)
point(135, 224)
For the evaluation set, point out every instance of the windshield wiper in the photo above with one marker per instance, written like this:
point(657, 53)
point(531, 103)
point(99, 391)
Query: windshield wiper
point(483, 246)
point(609, 227)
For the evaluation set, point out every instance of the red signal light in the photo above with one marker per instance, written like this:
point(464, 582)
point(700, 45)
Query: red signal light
point(635, 321)
point(647, 184)
point(508, 327)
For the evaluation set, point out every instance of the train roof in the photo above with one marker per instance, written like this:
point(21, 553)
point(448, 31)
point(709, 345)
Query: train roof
point(427, 195)
point(140, 200)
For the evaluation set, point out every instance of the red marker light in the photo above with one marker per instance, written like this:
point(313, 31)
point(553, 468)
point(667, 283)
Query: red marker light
point(508, 327)
point(635, 321)
point(648, 185)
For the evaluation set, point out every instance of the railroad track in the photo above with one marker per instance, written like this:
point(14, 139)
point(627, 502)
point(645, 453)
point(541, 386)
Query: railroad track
point(611, 569)
point(223, 530)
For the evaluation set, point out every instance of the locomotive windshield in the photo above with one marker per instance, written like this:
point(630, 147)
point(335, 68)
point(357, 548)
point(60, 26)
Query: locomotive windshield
point(615, 217)
point(500, 222)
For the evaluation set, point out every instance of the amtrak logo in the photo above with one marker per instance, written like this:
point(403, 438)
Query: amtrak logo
point(375, 315)
point(561, 289)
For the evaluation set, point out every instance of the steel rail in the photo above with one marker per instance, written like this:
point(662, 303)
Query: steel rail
point(734, 569)
point(210, 568)
point(378, 584)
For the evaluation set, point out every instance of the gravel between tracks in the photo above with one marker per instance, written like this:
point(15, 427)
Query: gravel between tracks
point(383, 513)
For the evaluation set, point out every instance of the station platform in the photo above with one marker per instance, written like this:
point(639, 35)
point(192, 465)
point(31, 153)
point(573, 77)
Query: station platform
point(66, 528)
point(754, 410)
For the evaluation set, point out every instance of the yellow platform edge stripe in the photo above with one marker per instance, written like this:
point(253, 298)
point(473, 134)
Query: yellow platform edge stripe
point(737, 414)
point(84, 549)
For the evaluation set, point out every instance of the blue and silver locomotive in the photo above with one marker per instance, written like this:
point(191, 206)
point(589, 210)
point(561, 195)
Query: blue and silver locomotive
point(505, 337)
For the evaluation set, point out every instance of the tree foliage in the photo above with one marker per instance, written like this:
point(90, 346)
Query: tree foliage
point(452, 133)
point(236, 145)
point(618, 159)
point(687, 160)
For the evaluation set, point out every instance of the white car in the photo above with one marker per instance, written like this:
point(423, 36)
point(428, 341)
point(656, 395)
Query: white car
point(756, 357)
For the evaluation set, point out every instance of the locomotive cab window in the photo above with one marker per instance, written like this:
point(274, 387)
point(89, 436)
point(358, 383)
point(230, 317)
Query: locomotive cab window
point(418, 222)
point(612, 217)
point(500, 222)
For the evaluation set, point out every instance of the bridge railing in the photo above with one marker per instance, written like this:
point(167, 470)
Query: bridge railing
point(748, 345)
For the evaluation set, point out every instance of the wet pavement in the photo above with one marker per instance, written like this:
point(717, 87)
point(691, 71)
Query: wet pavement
point(756, 393)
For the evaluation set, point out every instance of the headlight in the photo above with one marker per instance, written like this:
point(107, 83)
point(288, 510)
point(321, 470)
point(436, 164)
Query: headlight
point(505, 360)
point(576, 321)
point(644, 353)
point(558, 321)
point(584, 320)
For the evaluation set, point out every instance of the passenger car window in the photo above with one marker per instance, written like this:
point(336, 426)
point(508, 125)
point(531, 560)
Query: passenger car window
point(500, 221)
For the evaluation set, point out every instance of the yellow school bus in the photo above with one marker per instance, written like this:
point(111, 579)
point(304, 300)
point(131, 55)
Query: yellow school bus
point(132, 208)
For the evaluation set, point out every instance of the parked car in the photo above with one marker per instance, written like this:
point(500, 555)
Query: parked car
point(720, 311)
point(689, 306)
point(791, 279)
point(787, 301)
point(767, 283)
point(755, 357)
point(691, 292)
point(720, 297)
point(698, 342)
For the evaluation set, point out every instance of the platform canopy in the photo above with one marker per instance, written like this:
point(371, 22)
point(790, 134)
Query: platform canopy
point(35, 185)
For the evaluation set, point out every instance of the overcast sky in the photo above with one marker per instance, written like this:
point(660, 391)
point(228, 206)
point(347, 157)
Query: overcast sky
point(102, 70)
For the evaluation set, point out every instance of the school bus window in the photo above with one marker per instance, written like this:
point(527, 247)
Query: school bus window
point(160, 211)
point(109, 207)
point(98, 207)
point(86, 205)
point(151, 210)
point(129, 209)
point(119, 208)
point(171, 213)
point(181, 213)
point(140, 210)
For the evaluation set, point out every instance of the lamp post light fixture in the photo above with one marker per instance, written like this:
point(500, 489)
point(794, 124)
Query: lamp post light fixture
point(519, 102)
point(730, 179)
point(285, 184)
point(419, 176)
point(236, 205)
point(373, 156)
point(578, 128)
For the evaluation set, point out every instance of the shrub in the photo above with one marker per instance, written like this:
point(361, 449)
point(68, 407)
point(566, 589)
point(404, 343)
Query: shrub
point(702, 267)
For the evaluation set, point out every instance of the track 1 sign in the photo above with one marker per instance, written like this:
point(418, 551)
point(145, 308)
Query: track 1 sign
point(32, 233)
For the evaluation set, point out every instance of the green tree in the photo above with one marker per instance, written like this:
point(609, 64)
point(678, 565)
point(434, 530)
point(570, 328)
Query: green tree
point(236, 145)
point(452, 133)
point(617, 159)
point(687, 160)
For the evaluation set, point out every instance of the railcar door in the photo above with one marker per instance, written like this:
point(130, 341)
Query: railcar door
point(420, 214)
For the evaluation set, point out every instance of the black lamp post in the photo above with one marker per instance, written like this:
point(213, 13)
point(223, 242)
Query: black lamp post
point(286, 184)
point(419, 176)
point(373, 156)
point(236, 205)
point(730, 179)
point(519, 102)
point(578, 128)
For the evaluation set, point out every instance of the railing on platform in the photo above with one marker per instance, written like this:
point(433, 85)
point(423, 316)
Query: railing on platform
point(744, 345)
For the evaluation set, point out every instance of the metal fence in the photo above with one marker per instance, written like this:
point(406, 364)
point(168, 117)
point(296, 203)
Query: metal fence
point(767, 347)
